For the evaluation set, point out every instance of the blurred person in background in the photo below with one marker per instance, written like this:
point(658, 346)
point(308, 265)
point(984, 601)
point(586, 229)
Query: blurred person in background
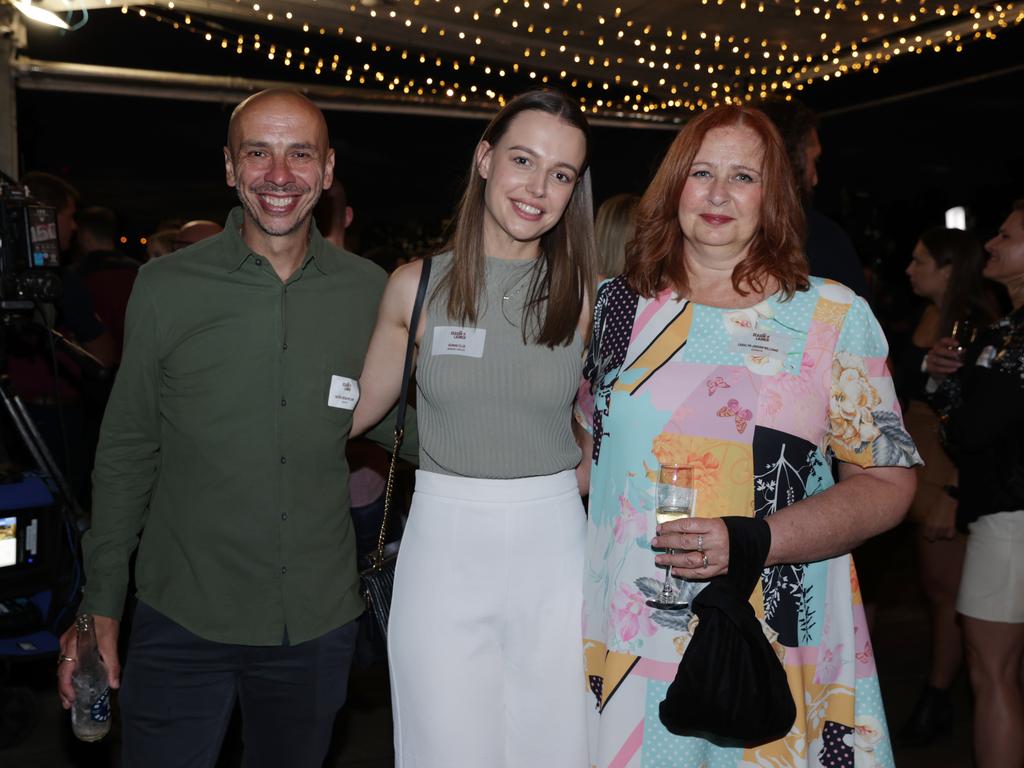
point(945, 270)
point(387, 257)
point(613, 229)
point(981, 397)
point(52, 379)
point(195, 231)
point(108, 273)
point(333, 215)
point(160, 243)
point(829, 250)
point(59, 194)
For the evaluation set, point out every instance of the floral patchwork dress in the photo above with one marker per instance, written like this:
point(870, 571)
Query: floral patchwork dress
point(758, 401)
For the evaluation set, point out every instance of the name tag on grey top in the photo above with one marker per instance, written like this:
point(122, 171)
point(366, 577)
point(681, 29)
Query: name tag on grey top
point(453, 340)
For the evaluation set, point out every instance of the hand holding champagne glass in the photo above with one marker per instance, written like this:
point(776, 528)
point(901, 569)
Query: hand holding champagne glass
point(674, 500)
point(964, 332)
point(947, 354)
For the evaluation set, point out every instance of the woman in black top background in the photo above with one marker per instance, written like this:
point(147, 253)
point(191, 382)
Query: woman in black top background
point(984, 406)
point(945, 270)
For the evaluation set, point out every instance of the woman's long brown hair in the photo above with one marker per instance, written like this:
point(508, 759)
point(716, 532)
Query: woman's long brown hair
point(968, 294)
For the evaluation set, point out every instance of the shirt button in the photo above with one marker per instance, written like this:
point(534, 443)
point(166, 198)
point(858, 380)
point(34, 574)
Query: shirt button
point(284, 346)
point(259, 262)
point(284, 460)
point(284, 570)
point(284, 515)
point(283, 401)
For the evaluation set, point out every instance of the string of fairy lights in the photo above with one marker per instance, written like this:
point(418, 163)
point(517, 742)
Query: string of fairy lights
point(614, 64)
point(619, 27)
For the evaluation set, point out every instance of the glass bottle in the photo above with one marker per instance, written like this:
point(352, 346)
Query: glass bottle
point(90, 714)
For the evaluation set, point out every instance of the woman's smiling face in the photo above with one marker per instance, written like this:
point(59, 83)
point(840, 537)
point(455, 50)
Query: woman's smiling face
point(720, 208)
point(530, 176)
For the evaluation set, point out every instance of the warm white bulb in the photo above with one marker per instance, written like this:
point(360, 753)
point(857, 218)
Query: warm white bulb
point(41, 15)
point(956, 218)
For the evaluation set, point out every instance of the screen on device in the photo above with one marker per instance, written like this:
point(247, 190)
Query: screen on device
point(8, 541)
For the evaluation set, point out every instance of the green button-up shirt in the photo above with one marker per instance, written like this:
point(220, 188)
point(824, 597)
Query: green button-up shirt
point(222, 452)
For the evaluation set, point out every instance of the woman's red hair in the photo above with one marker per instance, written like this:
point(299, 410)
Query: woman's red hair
point(654, 258)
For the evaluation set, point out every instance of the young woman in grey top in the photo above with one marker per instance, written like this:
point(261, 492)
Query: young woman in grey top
point(485, 636)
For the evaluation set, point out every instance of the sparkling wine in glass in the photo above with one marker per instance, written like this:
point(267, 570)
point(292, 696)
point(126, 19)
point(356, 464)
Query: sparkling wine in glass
point(964, 332)
point(674, 501)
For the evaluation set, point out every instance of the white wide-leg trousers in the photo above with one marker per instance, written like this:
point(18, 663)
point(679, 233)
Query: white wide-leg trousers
point(485, 634)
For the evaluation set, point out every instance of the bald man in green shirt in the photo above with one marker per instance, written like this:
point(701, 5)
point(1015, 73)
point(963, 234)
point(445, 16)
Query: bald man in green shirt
point(222, 458)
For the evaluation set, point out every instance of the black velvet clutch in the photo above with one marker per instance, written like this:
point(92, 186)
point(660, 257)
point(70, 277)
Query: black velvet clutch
point(730, 686)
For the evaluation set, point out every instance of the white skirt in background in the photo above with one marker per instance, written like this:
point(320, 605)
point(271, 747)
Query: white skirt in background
point(484, 639)
point(992, 584)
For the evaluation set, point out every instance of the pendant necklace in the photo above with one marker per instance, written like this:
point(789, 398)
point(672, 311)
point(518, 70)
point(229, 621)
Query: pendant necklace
point(511, 292)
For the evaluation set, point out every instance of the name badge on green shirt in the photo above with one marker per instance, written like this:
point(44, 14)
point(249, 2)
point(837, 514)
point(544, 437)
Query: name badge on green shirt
point(344, 393)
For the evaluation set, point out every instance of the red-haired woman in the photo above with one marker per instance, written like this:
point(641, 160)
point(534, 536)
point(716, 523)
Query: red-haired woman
point(716, 350)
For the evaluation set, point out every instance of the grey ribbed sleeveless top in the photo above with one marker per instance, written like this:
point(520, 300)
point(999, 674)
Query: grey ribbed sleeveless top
point(504, 414)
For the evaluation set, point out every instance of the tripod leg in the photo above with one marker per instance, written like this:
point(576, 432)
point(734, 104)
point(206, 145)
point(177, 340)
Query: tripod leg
point(37, 447)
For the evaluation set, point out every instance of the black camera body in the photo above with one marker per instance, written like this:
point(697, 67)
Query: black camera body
point(29, 250)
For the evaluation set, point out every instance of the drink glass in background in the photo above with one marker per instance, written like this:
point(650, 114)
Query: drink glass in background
point(964, 332)
point(674, 500)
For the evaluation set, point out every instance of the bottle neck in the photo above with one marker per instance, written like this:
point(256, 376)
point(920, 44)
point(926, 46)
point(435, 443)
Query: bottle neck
point(86, 636)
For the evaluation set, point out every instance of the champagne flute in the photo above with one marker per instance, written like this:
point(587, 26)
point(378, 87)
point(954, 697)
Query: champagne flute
point(964, 332)
point(674, 501)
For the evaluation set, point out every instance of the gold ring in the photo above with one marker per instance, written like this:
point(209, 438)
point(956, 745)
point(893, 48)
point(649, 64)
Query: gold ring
point(705, 556)
point(64, 658)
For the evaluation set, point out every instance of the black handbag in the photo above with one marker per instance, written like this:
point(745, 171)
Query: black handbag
point(730, 686)
point(378, 580)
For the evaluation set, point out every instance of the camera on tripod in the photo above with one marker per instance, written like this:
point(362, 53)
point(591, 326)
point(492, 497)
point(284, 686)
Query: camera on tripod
point(29, 249)
point(39, 567)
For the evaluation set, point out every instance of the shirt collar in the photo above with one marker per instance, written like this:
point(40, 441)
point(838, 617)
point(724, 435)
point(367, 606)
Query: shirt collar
point(235, 251)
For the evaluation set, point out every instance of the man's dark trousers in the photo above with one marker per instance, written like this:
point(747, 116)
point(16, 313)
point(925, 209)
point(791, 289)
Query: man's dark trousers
point(179, 691)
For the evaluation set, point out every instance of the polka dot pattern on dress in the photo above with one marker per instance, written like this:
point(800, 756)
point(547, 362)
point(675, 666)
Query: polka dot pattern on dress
point(597, 688)
point(836, 746)
point(614, 313)
point(663, 749)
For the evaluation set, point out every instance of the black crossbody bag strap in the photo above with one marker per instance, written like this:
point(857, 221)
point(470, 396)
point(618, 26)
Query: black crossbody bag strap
point(410, 347)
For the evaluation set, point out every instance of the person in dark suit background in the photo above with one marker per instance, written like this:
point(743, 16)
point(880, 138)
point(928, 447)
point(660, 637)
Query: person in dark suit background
point(107, 273)
point(829, 250)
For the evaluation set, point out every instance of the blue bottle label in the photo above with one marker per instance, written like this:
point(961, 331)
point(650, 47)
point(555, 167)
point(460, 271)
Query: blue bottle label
point(100, 710)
